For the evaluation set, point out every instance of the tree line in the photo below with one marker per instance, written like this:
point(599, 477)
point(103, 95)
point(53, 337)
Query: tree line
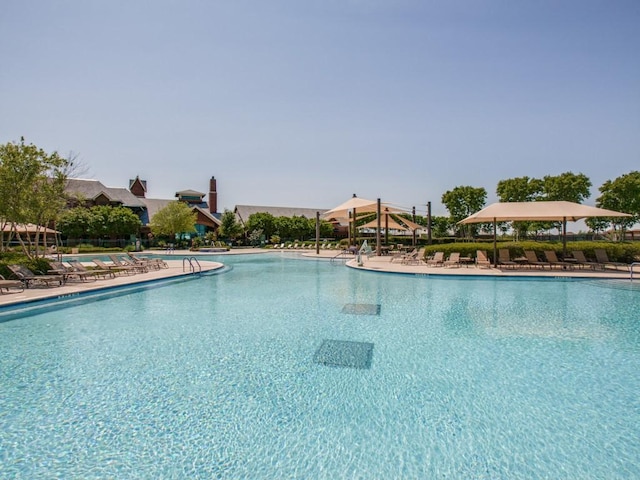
point(32, 191)
point(621, 194)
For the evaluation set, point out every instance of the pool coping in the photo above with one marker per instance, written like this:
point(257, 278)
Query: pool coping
point(9, 301)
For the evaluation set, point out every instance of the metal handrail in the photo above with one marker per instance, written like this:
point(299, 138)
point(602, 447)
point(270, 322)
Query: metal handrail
point(631, 269)
point(192, 267)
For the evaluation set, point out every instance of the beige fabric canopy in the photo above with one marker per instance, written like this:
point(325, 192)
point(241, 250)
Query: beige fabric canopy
point(392, 223)
point(556, 211)
point(28, 228)
point(553, 211)
point(361, 205)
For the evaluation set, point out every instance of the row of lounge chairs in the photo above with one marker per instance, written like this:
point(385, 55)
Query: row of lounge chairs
point(61, 273)
point(551, 260)
point(529, 260)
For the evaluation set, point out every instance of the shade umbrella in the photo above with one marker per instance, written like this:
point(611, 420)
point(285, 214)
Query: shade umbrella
point(361, 205)
point(28, 228)
point(355, 205)
point(392, 224)
point(552, 211)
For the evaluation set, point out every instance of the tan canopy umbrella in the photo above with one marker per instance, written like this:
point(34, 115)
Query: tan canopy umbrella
point(538, 212)
point(553, 211)
point(360, 205)
point(392, 224)
point(28, 228)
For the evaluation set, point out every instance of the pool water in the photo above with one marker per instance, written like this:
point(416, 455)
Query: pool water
point(289, 368)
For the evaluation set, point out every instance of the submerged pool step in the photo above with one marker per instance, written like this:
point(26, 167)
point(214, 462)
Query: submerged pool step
point(342, 353)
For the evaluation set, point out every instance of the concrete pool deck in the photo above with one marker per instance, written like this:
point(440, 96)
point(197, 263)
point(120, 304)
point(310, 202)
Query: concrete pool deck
point(373, 263)
point(75, 286)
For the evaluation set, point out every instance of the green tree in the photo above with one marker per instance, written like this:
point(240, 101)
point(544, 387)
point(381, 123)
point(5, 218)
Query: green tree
point(32, 186)
point(326, 229)
point(176, 217)
point(284, 227)
point(261, 221)
point(622, 195)
point(75, 223)
point(229, 228)
point(255, 237)
point(520, 189)
point(123, 222)
point(567, 186)
point(463, 201)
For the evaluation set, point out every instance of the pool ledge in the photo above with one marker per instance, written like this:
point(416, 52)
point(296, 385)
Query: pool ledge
point(75, 288)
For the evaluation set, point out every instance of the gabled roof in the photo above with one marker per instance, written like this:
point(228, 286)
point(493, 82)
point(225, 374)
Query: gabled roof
point(208, 214)
point(143, 183)
point(244, 211)
point(92, 189)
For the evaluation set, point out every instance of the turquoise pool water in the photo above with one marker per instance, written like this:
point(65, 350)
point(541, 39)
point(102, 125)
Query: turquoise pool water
point(285, 368)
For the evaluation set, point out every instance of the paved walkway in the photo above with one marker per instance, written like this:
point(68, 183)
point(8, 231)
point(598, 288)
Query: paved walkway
point(373, 263)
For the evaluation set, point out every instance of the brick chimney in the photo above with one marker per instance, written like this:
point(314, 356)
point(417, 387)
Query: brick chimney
point(213, 196)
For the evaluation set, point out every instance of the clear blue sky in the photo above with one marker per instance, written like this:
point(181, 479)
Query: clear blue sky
point(305, 102)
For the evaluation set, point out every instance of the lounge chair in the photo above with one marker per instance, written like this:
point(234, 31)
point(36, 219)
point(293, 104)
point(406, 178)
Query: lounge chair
point(98, 272)
point(153, 263)
point(124, 262)
point(411, 258)
point(453, 260)
point(582, 260)
point(504, 258)
point(29, 279)
point(115, 269)
point(603, 259)
point(436, 260)
point(532, 260)
point(69, 272)
point(7, 284)
point(553, 261)
point(482, 260)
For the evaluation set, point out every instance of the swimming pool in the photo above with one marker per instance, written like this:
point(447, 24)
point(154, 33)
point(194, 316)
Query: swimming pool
point(286, 368)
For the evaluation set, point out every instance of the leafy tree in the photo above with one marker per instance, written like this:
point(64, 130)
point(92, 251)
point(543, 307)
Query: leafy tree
point(75, 222)
point(326, 229)
point(520, 189)
point(123, 222)
point(440, 226)
point(283, 227)
point(263, 221)
point(175, 218)
point(229, 227)
point(463, 201)
point(568, 186)
point(32, 185)
point(98, 221)
point(255, 237)
point(622, 195)
point(302, 227)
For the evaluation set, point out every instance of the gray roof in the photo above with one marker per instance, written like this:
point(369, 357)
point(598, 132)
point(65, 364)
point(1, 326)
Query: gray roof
point(154, 205)
point(244, 211)
point(91, 189)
